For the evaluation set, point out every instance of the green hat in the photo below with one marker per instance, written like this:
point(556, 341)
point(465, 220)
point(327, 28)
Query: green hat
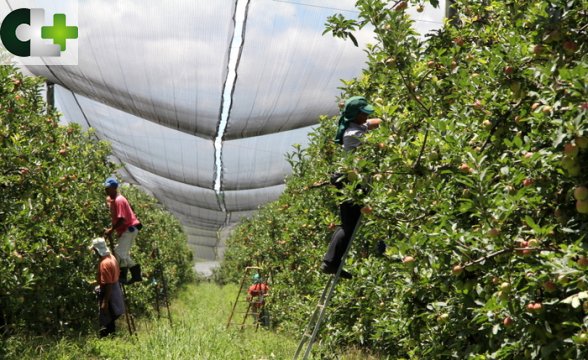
point(353, 106)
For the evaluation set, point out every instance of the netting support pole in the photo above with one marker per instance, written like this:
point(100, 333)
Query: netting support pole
point(50, 96)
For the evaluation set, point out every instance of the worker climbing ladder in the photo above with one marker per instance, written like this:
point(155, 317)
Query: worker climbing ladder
point(248, 306)
point(318, 314)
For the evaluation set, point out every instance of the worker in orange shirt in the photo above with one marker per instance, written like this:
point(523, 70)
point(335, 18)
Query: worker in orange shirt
point(256, 296)
point(110, 298)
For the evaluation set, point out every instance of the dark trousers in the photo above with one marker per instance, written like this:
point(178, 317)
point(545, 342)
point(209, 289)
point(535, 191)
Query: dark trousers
point(106, 320)
point(349, 213)
point(108, 329)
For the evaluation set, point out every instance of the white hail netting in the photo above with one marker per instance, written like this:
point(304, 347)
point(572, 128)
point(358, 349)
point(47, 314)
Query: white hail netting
point(151, 80)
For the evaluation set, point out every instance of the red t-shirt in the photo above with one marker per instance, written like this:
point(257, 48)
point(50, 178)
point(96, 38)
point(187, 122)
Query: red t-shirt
point(258, 289)
point(108, 270)
point(120, 208)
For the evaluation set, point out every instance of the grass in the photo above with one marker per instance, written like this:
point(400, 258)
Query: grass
point(199, 332)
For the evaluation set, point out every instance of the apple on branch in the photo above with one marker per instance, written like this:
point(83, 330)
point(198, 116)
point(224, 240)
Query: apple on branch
point(581, 193)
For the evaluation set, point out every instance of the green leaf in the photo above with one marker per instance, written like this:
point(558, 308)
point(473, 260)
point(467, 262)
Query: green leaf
point(353, 39)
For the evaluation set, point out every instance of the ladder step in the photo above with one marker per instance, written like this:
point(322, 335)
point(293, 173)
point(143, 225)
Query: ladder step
point(317, 317)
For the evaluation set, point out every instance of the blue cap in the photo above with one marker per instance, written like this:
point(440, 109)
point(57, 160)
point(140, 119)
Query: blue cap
point(111, 182)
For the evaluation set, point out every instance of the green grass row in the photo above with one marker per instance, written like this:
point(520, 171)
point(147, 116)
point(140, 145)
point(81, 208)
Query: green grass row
point(199, 317)
point(199, 331)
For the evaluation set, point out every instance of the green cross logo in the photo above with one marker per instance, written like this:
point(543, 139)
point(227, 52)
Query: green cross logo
point(32, 39)
point(59, 32)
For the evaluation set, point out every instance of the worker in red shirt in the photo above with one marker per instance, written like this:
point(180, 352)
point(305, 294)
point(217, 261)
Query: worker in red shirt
point(127, 226)
point(256, 296)
point(110, 298)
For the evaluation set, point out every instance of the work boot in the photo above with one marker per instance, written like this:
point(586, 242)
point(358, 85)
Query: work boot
point(135, 274)
point(329, 269)
point(123, 275)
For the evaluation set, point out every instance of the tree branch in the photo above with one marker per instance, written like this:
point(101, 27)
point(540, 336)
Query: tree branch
point(503, 251)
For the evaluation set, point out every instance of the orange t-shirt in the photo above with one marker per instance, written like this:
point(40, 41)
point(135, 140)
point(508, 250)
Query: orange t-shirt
point(108, 271)
point(258, 289)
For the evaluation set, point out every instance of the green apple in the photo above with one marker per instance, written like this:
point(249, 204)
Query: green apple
point(581, 193)
point(582, 142)
point(582, 206)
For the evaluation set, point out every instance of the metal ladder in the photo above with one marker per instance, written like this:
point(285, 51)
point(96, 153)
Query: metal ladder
point(128, 315)
point(160, 287)
point(319, 311)
point(255, 311)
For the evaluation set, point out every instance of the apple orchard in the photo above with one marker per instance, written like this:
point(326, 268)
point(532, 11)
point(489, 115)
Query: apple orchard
point(477, 185)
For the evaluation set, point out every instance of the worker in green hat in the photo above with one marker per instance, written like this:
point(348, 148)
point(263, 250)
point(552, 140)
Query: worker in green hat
point(256, 296)
point(353, 124)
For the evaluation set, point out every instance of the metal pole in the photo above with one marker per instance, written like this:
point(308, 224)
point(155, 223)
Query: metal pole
point(50, 96)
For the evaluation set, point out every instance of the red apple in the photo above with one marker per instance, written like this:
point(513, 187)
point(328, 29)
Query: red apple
point(401, 6)
point(494, 232)
point(507, 322)
point(458, 41)
point(570, 46)
point(538, 49)
point(332, 226)
point(582, 261)
point(465, 168)
point(508, 70)
point(528, 182)
point(408, 259)
point(571, 150)
point(457, 269)
point(366, 210)
point(549, 286)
